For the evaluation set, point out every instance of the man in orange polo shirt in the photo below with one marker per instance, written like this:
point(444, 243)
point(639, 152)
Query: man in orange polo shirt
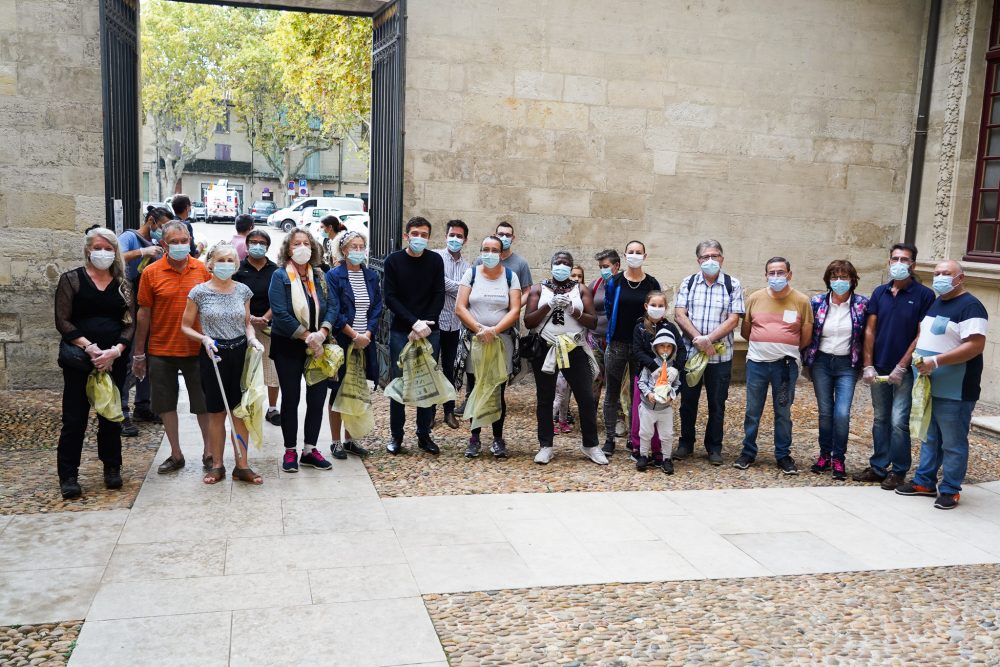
point(163, 293)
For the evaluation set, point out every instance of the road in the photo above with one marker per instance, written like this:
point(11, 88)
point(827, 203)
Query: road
point(224, 231)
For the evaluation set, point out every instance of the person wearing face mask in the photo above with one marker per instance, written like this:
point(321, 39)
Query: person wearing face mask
point(951, 341)
point(511, 260)
point(221, 307)
point(657, 394)
point(330, 228)
point(624, 297)
point(560, 406)
point(560, 310)
point(360, 298)
point(778, 324)
point(182, 212)
point(449, 324)
point(414, 294)
point(163, 293)
point(834, 361)
point(894, 314)
point(303, 309)
point(255, 272)
point(93, 312)
point(608, 264)
point(708, 307)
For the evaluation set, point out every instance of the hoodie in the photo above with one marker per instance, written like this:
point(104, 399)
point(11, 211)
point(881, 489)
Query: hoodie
point(664, 372)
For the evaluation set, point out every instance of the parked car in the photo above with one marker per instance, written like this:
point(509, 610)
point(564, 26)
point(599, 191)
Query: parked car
point(290, 218)
point(261, 209)
point(353, 220)
point(199, 211)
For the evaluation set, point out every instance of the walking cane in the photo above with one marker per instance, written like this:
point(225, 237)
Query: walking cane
point(233, 435)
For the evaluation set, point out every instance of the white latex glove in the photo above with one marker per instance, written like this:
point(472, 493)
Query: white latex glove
point(897, 375)
point(93, 350)
point(315, 342)
point(703, 344)
point(256, 344)
point(153, 251)
point(561, 301)
point(139, 368)
point(422, 328)
point(487, 335)
point(106, 358)
point(209, 344)
point(362, 341)
point(869, 375)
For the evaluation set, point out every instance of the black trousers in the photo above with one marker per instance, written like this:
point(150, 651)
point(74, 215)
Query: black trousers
point(75, 415)
point(580, 379)
point(290, 367)
point(498, 424)
point(449, 350)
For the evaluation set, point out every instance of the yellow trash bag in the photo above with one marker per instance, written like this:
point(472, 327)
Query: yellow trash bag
point(104, 397)
point(251, 407)
point(489, 365)
point(696, 365)
point(920, 405)
point(422, 383)
point(354, 400)
point(326, 366)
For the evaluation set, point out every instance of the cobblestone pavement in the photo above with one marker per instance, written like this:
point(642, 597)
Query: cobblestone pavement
point(29, 432)
point(45, 645)
point(419, 474)
point(892, 617)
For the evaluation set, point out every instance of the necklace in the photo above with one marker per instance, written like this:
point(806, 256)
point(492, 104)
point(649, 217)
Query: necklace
point(636, 286)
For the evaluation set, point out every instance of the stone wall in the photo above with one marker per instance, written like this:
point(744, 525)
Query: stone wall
point(51, 171)
point(778, 127)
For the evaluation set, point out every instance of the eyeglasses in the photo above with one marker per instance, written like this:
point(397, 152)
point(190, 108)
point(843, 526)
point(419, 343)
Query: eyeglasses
point(503, 236)
point(777, 274)
point(705, 258)
point(900, 260)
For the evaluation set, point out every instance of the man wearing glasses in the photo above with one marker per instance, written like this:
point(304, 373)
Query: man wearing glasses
point(778, 323)
point(708, 307)
point(510, 259)
point(894, 314)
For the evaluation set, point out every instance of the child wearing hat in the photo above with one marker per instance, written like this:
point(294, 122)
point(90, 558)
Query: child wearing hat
point(658, 389)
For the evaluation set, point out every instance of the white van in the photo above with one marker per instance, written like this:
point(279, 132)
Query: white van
point(290, 218)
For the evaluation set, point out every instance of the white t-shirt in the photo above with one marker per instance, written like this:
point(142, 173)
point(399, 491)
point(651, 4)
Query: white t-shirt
point(489, 302)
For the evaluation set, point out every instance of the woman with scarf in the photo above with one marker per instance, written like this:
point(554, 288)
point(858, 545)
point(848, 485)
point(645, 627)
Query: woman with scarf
point(303, 309)
point(561, 310)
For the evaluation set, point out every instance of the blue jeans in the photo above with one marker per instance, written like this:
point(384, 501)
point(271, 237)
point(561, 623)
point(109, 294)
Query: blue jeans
point(891, 425)
point(397, 411)
point(760, 376)
point(834, 381)
point(946, 446)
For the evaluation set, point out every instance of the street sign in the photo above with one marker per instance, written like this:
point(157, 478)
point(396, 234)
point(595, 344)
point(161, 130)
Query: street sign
point(302, 183)
point(291, 185)
point(119, 217)
point(303, 191)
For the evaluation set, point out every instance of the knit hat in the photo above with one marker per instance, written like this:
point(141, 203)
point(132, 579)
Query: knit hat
point(663, 336)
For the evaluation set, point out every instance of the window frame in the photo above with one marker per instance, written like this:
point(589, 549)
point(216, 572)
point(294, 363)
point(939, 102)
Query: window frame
point(991, 96)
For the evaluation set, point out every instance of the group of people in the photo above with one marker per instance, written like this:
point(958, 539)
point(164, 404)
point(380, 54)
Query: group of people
point(146, 309)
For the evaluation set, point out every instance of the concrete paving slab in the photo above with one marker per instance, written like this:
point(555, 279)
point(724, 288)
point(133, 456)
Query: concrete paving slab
point(286, 553)
point(364, 582)
point(188, 523)
point(195, 640)
point(62, 540)
point(44, 596)
point(166, 560)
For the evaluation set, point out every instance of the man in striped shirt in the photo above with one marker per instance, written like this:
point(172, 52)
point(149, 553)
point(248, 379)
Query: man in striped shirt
point(455, 267)
point(778, 324)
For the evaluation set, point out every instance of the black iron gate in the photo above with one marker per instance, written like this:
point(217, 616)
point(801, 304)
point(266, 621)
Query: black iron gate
point(120, 83)
point(386, 199)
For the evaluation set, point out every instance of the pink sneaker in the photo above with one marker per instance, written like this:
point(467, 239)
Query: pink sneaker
point(315, 459)
point(565, 427)
point(290, 462)
point(839, 472)
point(555, 429)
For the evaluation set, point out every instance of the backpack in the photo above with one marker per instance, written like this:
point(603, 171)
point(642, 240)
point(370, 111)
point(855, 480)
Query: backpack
point(726, 280)
point(507, 272)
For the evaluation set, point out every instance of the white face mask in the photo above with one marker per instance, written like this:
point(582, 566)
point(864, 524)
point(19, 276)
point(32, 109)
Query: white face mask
point(102, 259)
point(302, 254)
point(656, 313)
point(634, 261)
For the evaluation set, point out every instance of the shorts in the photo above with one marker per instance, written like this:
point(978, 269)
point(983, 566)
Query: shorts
point(163, 386)
point(231, 362)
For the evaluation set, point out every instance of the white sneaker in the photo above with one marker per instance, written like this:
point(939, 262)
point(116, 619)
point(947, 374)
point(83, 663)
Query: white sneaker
point(544, 455)
point(594, 454)
point(620, 428)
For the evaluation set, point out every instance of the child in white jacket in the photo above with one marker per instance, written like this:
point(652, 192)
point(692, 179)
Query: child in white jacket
point(659, 391)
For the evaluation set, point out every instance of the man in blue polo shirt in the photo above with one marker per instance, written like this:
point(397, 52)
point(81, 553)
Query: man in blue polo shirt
point(894, 314)
point(951, 342)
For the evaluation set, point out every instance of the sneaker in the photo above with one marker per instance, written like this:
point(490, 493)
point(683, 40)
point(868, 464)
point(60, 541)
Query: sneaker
point(425, 443)
point(472, 451)
point(129, 430)
point(170, 465)
point(394, 446)
point(668, 466)
point(113, 477)
point(70, 488)
point(787, 465)
point(564, 427)
point(715, 458)
point(632, 455)
point(290, 462)
point(337, 451)
point(499, 448)
point(911, 489)
point(893, 480)
point(609, 447)
point(144, 414)
point(555, 428)
point(641, 463)
point(544, 455)
point(839, 471)
point(570, 418)
point(315, 459)
point(743, 462)
point(868, 476)
point(822, 465)
point(354, 448)
point(681, 453)
point(947, 501)
point(595, 454)
point(620, 428)
point(273, 417)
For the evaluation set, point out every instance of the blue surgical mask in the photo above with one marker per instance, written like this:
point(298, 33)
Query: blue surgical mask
point(505, 242)
point(607, 274)
point(156, 234)
point(490, 259)
point(777, 284)
point(257, 250)
point(710, 267)
point(455, 244)
point(840, 287)
point(899, 271)
point(561, 272)
point(417, 244)
point(179, 251)
point(356, 256)
point(224, 270)
point(942, 285)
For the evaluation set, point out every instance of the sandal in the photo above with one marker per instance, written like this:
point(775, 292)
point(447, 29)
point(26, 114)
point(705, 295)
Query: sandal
point(215, 475)
point(206, 461)
point(247, 475)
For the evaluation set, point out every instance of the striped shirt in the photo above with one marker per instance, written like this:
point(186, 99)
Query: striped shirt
point(708, 306)
point(776, 324)
point(453, 272)
point(361, 300)
point(164, 290)
point(945, 326)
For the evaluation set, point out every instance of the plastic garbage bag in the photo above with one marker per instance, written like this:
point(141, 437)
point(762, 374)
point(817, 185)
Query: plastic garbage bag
point(489, 365)
point(354, 399)
point(422, 383)
point(698, 362)
point(920, 405)
point(664, 388)
point(326, 366)
point(104, 397)
point(251, 407)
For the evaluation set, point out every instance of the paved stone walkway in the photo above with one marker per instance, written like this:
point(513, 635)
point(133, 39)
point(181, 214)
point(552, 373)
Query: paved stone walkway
point(315, 568)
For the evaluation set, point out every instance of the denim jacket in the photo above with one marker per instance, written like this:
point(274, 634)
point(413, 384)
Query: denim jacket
point(859, 314)
point(283, 320)
point(340, 284)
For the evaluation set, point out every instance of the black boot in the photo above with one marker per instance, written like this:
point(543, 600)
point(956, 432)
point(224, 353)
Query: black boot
point(113, 477)
point(70, 488)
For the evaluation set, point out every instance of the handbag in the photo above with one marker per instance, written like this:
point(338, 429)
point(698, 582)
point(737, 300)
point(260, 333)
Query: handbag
point(533, 346)
point(73, 358)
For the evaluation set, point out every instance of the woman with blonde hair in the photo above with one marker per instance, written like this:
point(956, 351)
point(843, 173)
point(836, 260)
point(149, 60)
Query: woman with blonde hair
point(222, 307)
point(93, 314)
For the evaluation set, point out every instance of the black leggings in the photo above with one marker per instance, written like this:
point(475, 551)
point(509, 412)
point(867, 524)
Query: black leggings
point(290, 367)
point(498, 424)
point(76, 413)
point(580, 379)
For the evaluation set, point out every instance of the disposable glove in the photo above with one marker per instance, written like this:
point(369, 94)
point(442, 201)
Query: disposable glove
point(897, 375)
point(869, 375)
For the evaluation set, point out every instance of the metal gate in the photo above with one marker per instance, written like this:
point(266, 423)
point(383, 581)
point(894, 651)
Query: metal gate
point(120, 87)
point(386, 199)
